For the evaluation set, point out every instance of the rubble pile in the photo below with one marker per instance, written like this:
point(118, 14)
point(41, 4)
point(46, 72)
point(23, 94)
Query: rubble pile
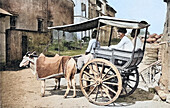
point(154, 38)
point(152, 51)
point(153, 71)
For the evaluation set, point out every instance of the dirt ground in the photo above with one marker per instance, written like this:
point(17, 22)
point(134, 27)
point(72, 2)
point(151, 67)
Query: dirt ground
point(20, 89)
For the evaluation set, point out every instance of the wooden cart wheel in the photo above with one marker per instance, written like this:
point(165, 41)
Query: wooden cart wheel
point(100, 82)
point(130, 81)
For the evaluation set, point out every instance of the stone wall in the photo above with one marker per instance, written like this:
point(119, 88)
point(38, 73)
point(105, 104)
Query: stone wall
point(34, 41)
point(4, 24)
point(165, 48)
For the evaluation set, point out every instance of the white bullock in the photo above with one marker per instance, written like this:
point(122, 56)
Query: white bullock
point(31, 58)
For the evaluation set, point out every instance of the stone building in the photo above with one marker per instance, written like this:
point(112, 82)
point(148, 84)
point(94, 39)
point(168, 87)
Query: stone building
point(88, 9)
point(81, 14)
point(28, 25)
point(4, 24)
point(36, 15)
point(101, 8)
point(165, 47)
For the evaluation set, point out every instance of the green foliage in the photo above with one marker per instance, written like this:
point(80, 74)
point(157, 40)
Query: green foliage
point(66, 48)
point(37, 42)
point(86, 39)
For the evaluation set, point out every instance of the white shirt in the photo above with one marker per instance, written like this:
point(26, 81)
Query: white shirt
point(91, 46)
point(138, 43)
point(124, 44)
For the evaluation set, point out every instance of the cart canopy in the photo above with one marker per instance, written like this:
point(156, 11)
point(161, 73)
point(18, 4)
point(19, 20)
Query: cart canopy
point(101, 21)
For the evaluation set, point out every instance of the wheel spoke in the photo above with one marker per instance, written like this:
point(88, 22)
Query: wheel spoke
point(125, 89)
point(102, 70)
point(111, 83)
point(97, 92)
point(97, 69)
point(92, 91)
point(101, 91)
point(132, 80)
point(108, 95)
point(88, 74)
point(94, 72)
point(109, 88)
point(106, 73)
point(130, 86)
point(109, 77)
point(87, 80)
point(89, 85)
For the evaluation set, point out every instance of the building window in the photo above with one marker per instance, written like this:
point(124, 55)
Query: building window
point(83, 9)
point(24, 45)
point(13, 20)
point(49, 23)
point(97, 13)
point(99, 3)
point(40, 24)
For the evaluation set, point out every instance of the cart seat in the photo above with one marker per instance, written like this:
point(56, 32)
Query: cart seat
point(120, 58)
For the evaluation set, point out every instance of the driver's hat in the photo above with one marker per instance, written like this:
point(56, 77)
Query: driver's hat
point(122, 30)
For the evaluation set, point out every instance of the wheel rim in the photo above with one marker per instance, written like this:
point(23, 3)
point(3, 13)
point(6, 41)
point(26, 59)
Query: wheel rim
point(130, 81)
point(100, 82)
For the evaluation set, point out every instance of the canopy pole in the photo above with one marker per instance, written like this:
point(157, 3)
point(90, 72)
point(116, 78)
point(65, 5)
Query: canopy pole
point(145, 39)
point(58, 43)
point(135, 38)
point(97, 37)
point(111, 31)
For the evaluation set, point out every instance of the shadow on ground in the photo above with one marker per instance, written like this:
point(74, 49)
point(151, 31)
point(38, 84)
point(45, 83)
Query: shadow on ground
point(138, 95)
point(62, 91)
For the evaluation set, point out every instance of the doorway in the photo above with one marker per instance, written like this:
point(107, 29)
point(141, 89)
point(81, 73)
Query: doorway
point(24, 45)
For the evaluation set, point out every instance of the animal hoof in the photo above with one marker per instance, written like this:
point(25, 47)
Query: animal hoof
point(73, 96)
point(42, 95)
point(65, 96)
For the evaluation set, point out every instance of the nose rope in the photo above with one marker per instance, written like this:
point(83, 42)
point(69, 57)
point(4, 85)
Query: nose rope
point(31, 62)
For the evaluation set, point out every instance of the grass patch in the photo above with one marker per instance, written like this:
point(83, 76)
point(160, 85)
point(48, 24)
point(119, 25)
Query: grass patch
point(66, 48)
point(67, 52)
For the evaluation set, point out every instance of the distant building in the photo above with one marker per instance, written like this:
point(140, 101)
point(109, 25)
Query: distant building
point(88, 9)
point(81, 14)
point(28, 24)
point(101, 8)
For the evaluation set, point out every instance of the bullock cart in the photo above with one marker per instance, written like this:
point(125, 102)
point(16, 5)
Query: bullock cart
point(112, 73)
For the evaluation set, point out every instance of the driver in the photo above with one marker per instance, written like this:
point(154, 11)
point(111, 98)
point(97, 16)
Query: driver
point(89, 52)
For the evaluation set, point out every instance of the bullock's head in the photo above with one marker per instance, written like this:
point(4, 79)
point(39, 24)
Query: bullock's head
point(27, 59)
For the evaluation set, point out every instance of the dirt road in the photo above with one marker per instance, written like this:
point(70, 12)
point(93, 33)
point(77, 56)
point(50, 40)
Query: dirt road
point(20, 89)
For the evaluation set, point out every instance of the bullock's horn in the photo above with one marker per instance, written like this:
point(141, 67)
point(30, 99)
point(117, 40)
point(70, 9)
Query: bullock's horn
point(34, 52)
point(28, 53)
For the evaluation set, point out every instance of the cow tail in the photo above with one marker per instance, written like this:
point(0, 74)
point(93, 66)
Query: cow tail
point(73, 71)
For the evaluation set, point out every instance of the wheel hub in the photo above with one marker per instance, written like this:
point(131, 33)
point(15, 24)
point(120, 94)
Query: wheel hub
point(99, 81)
